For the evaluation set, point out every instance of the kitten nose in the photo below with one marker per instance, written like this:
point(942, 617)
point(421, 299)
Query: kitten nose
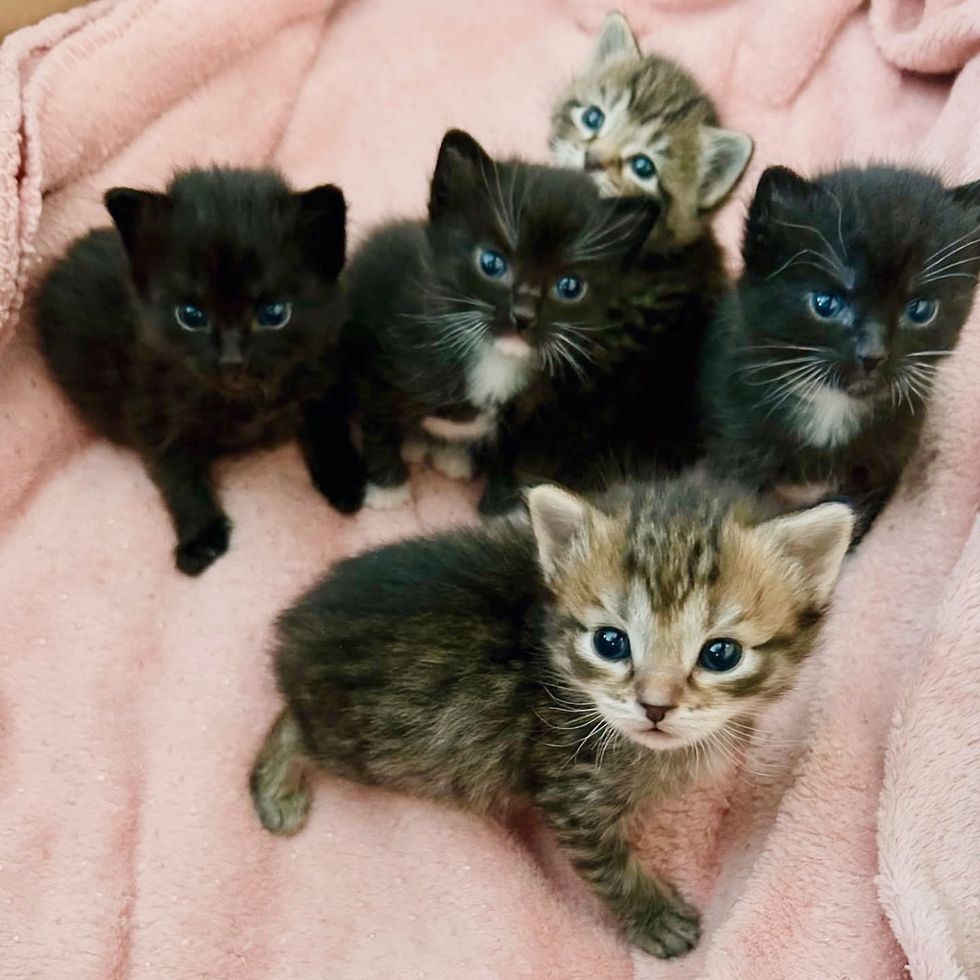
point(870, 361)
point(656, 712)
point(592, 162)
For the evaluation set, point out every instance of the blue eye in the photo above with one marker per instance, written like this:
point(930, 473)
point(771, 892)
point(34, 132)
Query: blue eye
point(826, 306)
point(611, 644)
point(492, 264)
point(191, 317)
point(593, 118)
point(642, 166)
point(273, 316)
point(720, 655)
point(921, 311)
point(570, 288)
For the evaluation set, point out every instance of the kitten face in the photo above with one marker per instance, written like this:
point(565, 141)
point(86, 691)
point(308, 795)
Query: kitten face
point(679, 620)
point(856, 285)
point(234, 272)
point(527, 256)
point(642, 126)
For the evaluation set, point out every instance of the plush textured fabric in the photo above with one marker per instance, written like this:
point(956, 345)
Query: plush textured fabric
point(132, 699)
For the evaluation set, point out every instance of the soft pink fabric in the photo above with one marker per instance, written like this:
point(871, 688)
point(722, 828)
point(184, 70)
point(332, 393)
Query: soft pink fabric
point(132, 698)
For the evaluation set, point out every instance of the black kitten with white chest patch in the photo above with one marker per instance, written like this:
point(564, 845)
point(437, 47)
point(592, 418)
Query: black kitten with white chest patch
point(457, 324)
point(819, 367)
point(207, 322)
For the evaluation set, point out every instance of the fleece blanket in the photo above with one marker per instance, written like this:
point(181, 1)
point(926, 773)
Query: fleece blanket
point(132, 699)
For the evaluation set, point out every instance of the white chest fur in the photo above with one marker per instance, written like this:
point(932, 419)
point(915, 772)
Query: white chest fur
point(829, 418)
point(496, 377)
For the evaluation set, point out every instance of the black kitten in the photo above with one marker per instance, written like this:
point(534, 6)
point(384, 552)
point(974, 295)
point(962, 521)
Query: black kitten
point(818, 368)
point(456, 325)
point(206, 323)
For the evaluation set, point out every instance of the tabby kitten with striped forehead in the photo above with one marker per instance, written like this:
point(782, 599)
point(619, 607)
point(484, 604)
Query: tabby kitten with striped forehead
point(640, 124)
point(591, 660)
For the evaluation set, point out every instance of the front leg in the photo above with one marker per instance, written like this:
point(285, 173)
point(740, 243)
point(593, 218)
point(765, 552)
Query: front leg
point(387, 474)
point(650, 912)
point(184, 480)
point(335, 465)
point(498, 460)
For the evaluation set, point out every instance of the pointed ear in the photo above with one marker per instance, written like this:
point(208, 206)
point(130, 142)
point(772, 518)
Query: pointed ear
point(628, 221)
point(557, 517)
point(817, 540)
point(777, 188)
point(725, 153)
point(459, 167)
point(616, 41)
point(967, 194)
point(323, 228)
point(142, 219)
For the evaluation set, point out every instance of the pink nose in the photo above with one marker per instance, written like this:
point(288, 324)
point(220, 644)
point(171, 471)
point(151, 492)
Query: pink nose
point(657, 712)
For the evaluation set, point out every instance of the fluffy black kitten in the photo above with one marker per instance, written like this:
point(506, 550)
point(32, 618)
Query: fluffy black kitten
point(856, 286)
point(457, 324)
point(206, 322)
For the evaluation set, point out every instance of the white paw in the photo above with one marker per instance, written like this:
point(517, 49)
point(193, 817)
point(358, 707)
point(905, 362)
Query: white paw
point(386, 498)
point(453, 461)
point(414, 451)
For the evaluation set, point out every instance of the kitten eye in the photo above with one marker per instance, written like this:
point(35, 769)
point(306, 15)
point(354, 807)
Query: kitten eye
point(826, 306)
point(720, 655)
point(191, 317)
point(273, 316)
point(492, 264)
point(921, 311)
point(643, 166)
point(611, 644)
point(570, 289)
point(593, 118)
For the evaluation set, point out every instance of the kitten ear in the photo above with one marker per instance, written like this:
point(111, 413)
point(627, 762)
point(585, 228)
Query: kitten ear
point(616, 41)
point(817, 539)
point(630, 220)
point(725, 153)
point(323, 228)
point(141, 218)
point(777, 187)
point(556, 517)
point(459, 167)
point(967, 194)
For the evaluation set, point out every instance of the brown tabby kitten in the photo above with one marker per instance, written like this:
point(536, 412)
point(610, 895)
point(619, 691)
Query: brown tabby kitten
point(589, 660)
point(640, 124)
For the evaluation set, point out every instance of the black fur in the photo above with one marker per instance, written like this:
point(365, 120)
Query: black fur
point(226, 241)
point(879, 238)
point(422, 314)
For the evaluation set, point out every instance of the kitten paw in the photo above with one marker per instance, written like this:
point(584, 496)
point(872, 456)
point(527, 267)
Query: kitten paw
point(456, 462)
point(284, 814)
point(343, 491)
point(386, 498)
point(194, 555)
point(668, 929)
point(414, 451)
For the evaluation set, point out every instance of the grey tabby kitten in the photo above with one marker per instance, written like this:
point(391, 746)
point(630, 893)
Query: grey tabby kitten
point(640, 124)
point(590, 660)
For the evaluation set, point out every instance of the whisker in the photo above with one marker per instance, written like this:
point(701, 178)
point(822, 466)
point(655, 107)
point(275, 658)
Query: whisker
point(838, 264)
point(941, 254)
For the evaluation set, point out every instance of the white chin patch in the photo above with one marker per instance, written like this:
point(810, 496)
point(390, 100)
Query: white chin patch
point(828, 417)
point(512, 347)
point(386, 498)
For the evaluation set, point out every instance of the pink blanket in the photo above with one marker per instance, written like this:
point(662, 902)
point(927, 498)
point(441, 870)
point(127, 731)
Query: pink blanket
point(132, 698)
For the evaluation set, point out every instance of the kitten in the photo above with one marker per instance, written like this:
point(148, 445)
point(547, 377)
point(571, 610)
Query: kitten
point(457, 324)
point(640, 124)
point(819, 366)
point(206, 322)
point(592, 659)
